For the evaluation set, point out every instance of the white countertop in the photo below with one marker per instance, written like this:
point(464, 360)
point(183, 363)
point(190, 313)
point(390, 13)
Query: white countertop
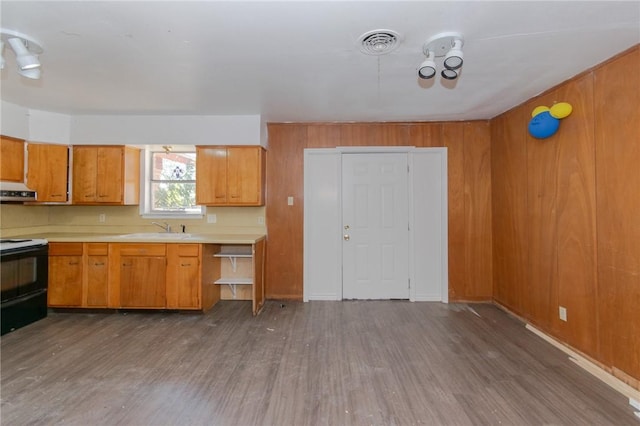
point(150, 237)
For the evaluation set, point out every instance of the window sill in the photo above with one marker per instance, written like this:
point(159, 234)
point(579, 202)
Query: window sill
point(191, 216)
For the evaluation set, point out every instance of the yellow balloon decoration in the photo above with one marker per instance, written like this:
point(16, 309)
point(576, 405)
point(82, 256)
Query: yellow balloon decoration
point(560, 110)
point(537, 110)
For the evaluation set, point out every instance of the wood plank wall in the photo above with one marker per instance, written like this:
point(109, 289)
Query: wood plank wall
point(469, 154)
point(566, 215)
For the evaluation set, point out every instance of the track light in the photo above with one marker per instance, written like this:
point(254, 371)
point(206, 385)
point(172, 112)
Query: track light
point(427, 68)
point(26, 50)
point(26, 60)
point(447, 45)
point(449, 74)
point(453, 58)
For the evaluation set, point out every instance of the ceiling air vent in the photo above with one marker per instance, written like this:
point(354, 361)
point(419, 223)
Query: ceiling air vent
point(379, 42)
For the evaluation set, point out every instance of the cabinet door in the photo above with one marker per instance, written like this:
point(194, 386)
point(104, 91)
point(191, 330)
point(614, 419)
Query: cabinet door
point(97, 281)
point(183, 276)
point(244, 174)
point(11, 159)
point(65, 281)
point(85, 170)
point(211, 176)
point(142, 282)
point(109, 170)
point(47, 171)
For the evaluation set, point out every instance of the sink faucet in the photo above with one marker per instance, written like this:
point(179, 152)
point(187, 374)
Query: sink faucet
point(166, 226)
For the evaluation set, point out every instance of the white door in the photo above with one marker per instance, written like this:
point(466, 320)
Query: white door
point(375, 220)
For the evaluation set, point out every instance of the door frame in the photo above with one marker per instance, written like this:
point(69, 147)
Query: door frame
point(428, 239)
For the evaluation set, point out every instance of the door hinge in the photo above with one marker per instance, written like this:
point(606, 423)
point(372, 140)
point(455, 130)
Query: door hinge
point(409, 281)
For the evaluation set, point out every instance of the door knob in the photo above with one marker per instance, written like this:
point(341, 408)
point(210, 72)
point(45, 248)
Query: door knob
point(346, 237)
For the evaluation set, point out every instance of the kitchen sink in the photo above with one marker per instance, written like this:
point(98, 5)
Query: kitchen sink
point(156, 236)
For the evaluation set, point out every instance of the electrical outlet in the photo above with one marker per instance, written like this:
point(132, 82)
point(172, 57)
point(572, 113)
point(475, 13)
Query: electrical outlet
point(562, 312)
point(102, 218)
point(212, 218)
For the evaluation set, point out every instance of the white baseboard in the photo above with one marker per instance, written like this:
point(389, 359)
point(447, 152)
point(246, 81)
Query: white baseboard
point(609, 379)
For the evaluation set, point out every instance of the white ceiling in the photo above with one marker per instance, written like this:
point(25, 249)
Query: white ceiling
point(299, 61)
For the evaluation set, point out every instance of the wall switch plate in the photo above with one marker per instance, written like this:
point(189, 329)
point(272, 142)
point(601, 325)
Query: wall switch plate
point(289, 201)
point(102, 218)
point(212, 218)
point(260, 220)
point(562, 312)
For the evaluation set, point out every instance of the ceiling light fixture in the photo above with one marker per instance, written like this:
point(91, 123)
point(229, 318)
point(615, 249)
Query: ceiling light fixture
point(26, 51)
point(447, 44)
point(25, 59)
point(453, 58)
point(427, 68)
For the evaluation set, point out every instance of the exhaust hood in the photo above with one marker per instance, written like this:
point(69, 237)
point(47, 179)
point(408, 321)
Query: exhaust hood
point(16, 192)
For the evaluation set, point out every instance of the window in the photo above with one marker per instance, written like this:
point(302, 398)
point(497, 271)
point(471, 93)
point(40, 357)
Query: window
point(170, 184)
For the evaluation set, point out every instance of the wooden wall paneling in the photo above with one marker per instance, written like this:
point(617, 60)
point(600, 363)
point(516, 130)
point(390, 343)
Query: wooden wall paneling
point(542, 168)
point(356, 134)
point(374, 134)
point(477, 211)
point(284, 249)
point(509, 209)
point(323, 136)
point(453, 140)
point(390, 134)
point(576, 217)
point(425, 135)
point(617, 136)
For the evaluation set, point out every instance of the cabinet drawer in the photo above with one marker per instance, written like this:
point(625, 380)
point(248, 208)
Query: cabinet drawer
point(143, 249)
point(189, 250)
point(97, 249)
point(65, 249)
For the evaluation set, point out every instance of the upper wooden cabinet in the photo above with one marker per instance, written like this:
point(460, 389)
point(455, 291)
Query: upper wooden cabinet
point(48, 171)
point(106, 175)
point(230, 175)
point(11, 159)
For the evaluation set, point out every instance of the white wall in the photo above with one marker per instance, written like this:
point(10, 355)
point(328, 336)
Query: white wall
point(49, 127)
point(44, 126)
point(165, 130)
point(14, 120)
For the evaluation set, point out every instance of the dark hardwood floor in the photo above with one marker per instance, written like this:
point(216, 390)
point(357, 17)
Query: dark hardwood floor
point(319, 363)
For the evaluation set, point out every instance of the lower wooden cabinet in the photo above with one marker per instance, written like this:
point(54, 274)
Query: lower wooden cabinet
point(184, 276)
point(142, 282)
point(65, 275)
point(96, 275)
point(162, 276)
point(147, 275)
point(78, 275)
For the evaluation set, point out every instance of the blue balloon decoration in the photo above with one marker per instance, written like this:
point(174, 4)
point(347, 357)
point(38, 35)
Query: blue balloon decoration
point(543, 125)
